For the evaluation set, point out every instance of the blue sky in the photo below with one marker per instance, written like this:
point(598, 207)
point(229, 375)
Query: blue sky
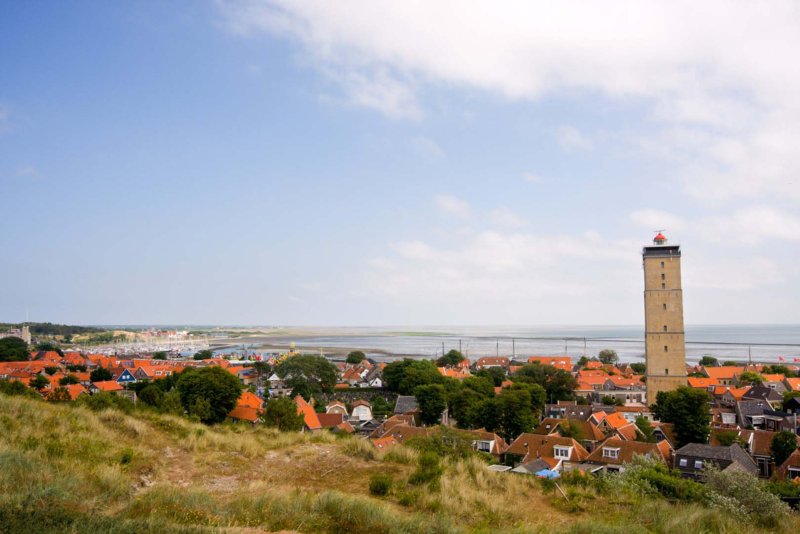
point(369, 163)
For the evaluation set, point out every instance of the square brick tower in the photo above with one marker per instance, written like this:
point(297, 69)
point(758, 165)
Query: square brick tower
point(665, 349)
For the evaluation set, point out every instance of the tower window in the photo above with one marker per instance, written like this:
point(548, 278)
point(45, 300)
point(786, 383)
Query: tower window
point(665, 305)
point(666, 371)
point(663, 276)
point(665, 348)
point(665, 328)
point(662, 264)
point(663, 285)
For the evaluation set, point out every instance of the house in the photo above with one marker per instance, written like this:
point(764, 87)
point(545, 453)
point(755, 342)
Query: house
point(310, 419)
point(384, 443)
point(774, 381)
point(559, 362)
point(725, 375)
point(559, 452)
point(792, 405)
point(766, 394)
point(492, 361)
point(568, 411)
point(792, 384)
point(392, 421)
point(702, 383)
point(723, 418)
point(336, 407)
point(403, 432)
point(790, 469)
point(691, 459)
point(362, 410)
point(487, 442)
point(111, 386)
point(74, 390)
point(760, 448)
point(250, 400)
point(731, 395)
point(123, 376)
point(335, 422)
point(614, 453)
point(406, 404)
point(245, 413)
point(583, 431)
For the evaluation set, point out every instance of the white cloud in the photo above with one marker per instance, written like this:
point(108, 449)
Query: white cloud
point(27, 171)
point(570, 138)
point(750, 225)
point(730, 80)
point(452, 205)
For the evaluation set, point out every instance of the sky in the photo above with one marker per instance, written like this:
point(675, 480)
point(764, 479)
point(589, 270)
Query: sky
point(396, 163)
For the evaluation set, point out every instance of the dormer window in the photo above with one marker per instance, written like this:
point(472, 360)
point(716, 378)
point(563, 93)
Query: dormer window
point(561, 452)
point(611, 452)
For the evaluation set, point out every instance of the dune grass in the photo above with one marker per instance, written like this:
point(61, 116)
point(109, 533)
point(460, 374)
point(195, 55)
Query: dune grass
point(68, 469)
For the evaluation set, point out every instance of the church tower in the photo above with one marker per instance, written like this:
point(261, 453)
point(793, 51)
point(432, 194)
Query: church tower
point(665, 349)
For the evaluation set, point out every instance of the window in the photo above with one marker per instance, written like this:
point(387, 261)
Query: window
point(665, 328)
point(666, 349)
point(698, 464)
point(665, 305)
point(683, 462)
point(666, 371)
point(663, 285)
point(663, 276)
point(662, 264)
point(483, 446)
point(561, 452)
point(609, 452)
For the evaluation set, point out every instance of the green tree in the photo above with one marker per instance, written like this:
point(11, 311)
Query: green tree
point(646, 429)
point(608, 356)
point(404, 376)
point(452, 358)
point(480, 384)
point(638, 368)
point(39, 382)
point(508, 414)
point(15, 387)
point(59, 394)
point(726, 438)
point(750, 377)
point(708, 361)
point(688, 410)
point(730, 363)
point(432, 401)
point(467, 408)
point(68, 380)
point(356, 357)
point(496, 374)
point(380, 408)
point(76, 368)
point(52, 369)
point(583, 362)
point(171, 403)
point(559, 385)
point(215, 386)
point(13, 349)
point(160, 355)
point(282, 414)
point(538, 397)
point(100, 374)
point(151, 395)
point(783, 444)
point(307, 375)
point(205, 354)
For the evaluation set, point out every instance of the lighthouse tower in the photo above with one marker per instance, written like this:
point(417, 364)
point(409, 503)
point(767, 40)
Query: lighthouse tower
point(665, 348)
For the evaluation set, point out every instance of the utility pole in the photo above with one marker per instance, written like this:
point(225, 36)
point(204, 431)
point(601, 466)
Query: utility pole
point(442, 348)
point(513, 348)
point(459, 346)
point(497, 347)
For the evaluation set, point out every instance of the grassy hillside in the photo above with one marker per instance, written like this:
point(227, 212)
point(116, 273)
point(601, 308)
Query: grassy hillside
point(67, 469)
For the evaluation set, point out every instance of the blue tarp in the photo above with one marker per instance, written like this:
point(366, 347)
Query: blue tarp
point(547, 473)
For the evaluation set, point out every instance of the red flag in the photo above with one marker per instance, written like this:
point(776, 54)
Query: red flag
point(797, 360)
point(782, 359)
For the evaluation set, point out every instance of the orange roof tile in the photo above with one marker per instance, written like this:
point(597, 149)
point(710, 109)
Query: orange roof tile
point(309, 415)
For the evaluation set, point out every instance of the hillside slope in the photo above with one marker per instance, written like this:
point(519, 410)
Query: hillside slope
point(67, 469)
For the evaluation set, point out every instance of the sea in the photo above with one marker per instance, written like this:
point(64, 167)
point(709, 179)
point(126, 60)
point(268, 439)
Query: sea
point(758, 343)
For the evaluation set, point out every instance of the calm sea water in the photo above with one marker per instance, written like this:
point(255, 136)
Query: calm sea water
point(766, 343)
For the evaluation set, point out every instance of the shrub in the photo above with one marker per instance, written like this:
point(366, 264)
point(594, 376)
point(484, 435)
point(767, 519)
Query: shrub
point(380, 484)
point(745, 496)
point(428, 470)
